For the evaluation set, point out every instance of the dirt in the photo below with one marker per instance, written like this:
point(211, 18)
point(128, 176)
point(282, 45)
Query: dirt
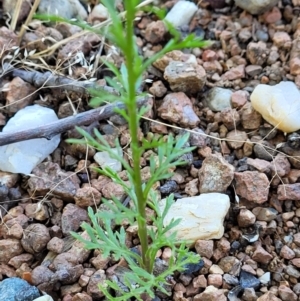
point(205, 91)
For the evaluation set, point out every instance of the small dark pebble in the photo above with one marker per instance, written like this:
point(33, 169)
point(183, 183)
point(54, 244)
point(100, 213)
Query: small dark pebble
point(3, 190)
point(169, 187)
point(14, 193)
point(247, 280)
point(235, 246)
point(293, 140)
point(278, 245)
point(191, 268)
point(83, 177)
point(217, 3)
point(197, 163)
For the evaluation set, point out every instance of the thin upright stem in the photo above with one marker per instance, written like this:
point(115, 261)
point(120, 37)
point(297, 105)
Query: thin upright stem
point(133, 128)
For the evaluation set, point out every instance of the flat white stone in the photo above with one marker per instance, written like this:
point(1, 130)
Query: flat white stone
point(201, 216)
point(104, 160)
point(22, 157)
point(181, 13)
point(279, 105)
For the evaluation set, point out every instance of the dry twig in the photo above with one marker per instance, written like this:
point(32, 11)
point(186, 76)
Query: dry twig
point(54, 128)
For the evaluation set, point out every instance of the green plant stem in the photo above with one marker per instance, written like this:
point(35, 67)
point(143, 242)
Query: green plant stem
point(135, 147)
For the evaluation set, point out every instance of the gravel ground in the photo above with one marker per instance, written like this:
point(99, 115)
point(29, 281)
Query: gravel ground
point(204, 90)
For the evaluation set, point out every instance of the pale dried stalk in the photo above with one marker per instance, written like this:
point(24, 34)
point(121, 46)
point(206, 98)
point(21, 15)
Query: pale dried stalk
point(28, 20)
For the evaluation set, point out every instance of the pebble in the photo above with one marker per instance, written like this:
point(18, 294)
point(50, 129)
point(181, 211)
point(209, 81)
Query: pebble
point(67, 9)
point(218, 99)
point(247, 280)
point(178, 108)
point(252, 185)
point(22, 157)
point(16, 289)
point(185, 77)
point(284, 99)
point(196, 221)
point(215, 174)
point(181, 13)
point(255, 7)
point(104, 159)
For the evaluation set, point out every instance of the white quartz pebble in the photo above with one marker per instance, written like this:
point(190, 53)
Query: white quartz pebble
point(279, 105)
point(22, 157)
point(181, 13)
point(201, 216)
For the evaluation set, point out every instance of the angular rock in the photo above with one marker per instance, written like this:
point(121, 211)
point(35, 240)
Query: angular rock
point(257, 53)
point(239, 98)
point(178, 108)
point(16, 289)
point(185, 77)
point(236, 139)
point(211, 293)
point(230, 264)
point(268, 296)
point(9, 248)
point(200, 140)
point(265, 213)
point(246, 218)
point(158, 89)
point(279, 105)
point(259, 165)
point(36, 238)
point(22, 157)
point(286, 294)
point(289, 192)
point(72, 217)
point(230, 118)
point(20, 95)
point(205, 248)
point(250, 118)
point(247, 280)
point(17, 261)
point(41, 274)
point(49, 176)
point(252, 185)
point(155, 32)
point(87, 196)
point(201, 216)
point(256, 7)
point(175, 55)
point(93, 287)
point(234, 73)
point(215, 175)
point(55, 245)
point(218, 99)
point(181, 13)
point(261, 255)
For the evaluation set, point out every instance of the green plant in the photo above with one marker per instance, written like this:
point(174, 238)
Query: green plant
point(139, 279)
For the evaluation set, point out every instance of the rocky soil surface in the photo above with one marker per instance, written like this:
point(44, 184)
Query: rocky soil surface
point(206, 91)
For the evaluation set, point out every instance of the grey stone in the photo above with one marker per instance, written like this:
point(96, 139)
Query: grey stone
point(218, 99)
point(256, 7)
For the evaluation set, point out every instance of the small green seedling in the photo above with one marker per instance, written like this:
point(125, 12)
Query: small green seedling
point(139, 279)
